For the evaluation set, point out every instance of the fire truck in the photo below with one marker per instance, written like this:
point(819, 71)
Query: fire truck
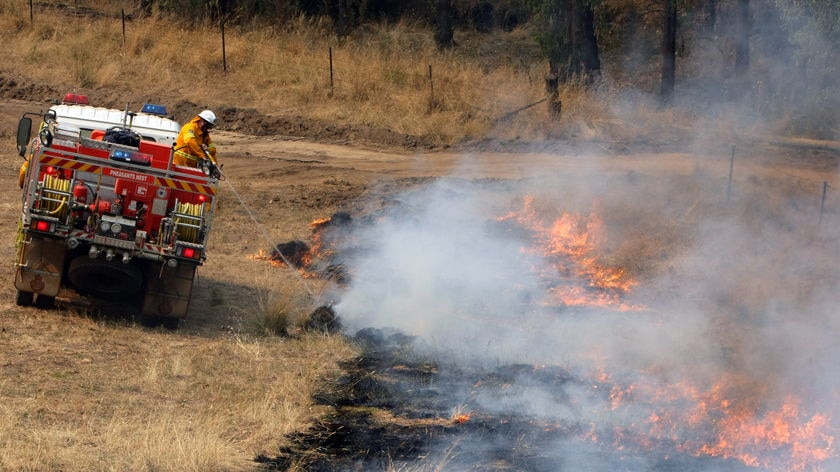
point(106, 214)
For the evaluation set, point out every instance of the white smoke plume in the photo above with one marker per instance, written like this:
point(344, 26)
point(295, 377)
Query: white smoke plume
point(746, 304)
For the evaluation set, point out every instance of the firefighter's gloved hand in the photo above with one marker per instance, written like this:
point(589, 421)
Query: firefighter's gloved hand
point(213, 170)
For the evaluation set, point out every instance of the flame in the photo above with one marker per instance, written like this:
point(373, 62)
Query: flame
point(569, 242)
point(728, 420)
point(460, 419)
point(304, 261)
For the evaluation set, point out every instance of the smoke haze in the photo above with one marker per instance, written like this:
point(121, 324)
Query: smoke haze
point(744, 306)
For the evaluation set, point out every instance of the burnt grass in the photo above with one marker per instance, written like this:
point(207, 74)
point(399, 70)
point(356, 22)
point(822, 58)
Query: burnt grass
point(393, 410)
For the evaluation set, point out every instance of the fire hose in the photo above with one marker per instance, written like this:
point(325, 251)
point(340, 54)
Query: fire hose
point(192, 211)
point(268, 239)
point(214, 171)
point(56, 202)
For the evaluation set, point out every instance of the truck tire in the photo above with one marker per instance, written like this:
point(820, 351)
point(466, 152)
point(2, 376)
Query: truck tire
point(152, 321)
point(105, 279)
point(171, 323)
point(45, 302)
point(24, 298)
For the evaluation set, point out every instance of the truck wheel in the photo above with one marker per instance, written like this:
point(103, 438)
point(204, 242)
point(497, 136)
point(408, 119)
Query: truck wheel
point(152, 321)
point(104, 279)
point(171, 323)
point(24, 298)
point(44, 302)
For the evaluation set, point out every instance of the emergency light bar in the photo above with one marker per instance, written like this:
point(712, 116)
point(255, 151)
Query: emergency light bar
point(133, 157)
point(153, 109)
point(75, 99)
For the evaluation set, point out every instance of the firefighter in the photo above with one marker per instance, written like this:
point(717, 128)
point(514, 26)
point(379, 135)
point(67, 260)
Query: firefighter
point(194, 144)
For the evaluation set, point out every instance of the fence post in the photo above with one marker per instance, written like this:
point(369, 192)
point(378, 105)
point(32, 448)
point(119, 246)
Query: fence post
point(731, 166)
point(122, 18)
point(431, 90)
point(332, 84)
point(224, 54)
point(822, 202)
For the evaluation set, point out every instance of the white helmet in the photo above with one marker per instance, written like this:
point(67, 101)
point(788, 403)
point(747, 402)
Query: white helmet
point(208, 116)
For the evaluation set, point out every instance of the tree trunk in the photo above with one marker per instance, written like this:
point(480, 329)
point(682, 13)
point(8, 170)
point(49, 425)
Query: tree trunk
point(443, 30)
point(590, 58)
point(344, 20)
point(711, 17)
point(669, 50)
point(742, 37)
point(576, 55)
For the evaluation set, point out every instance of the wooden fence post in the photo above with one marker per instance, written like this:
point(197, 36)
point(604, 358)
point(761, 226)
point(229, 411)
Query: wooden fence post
point(122, 18)
point(822, 202)
point(332, 84)
point(224, 54)
point(431, 90)
point(731, 167)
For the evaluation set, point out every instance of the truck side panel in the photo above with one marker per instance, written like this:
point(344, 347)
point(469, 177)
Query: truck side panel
point(40, 266)
point(168, 290)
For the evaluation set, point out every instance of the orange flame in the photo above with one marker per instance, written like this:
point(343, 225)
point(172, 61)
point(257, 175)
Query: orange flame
point(460, 419)
point(730, 421)
point(570, 242)
point(305, 260)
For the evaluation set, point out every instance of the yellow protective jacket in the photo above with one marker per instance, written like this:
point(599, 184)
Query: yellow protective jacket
point(22, 172)
point(190, 145)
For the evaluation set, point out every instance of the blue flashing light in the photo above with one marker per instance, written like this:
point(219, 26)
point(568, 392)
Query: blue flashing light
point(133, 157)
point(153, 109)
point(121, 155)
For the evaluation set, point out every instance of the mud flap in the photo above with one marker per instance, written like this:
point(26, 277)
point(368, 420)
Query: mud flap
point(40, 266)
point(168, 290)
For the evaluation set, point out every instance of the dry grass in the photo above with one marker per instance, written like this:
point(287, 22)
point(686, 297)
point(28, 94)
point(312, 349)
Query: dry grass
point(381, 74)
point(106, 397)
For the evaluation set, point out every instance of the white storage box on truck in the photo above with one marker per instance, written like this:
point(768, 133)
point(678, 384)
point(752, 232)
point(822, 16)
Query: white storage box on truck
point(150, 122)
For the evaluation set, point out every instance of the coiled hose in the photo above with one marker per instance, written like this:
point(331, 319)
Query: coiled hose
point(55, 203)
point(188, 224)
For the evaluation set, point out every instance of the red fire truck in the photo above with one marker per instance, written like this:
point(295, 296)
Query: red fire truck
point(110, 219)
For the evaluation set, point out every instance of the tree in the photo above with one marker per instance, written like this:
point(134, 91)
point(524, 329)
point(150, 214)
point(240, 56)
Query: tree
point(443, 24)
point(742, 37)
point(566, 33)
point(711, 16)
point(669, 52)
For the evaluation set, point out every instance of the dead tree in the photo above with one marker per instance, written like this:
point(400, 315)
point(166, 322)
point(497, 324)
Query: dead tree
point(669, 52)
point(742, 37)
point(443, 24)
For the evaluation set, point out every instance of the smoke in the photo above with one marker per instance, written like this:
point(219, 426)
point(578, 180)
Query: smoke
point(739, 307)
point(728, 364)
